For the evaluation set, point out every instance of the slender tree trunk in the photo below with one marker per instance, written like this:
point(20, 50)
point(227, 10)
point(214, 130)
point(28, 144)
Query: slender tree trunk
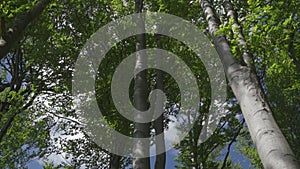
point(291, 50)
point(6, 126)
point(160, 160)
point(15, 85)
point(272, 147)
point(10, 120)
point(141, 130)
point(237, 29)
point(114, 162)
point(14, 34)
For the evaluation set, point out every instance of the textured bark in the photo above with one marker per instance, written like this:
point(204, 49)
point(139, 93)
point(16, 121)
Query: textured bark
point(14, 34)
point(141, 130)
point(272, 147)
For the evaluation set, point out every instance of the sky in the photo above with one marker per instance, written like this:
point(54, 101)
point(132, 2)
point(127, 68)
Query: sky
point(170, 163)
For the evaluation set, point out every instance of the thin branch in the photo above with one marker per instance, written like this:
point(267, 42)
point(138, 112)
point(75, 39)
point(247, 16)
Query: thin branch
point(66, 118)
point(10, 120)
point(291, 52)
point(6, 126)
point(230, 144)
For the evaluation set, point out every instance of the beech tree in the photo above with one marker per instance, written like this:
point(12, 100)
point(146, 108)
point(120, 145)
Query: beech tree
point(271, 145)
point(258, 42)
point(141, 130)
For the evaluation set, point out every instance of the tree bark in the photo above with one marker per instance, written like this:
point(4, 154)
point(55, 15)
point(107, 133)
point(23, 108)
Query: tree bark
point(272, 147)
point(141, 130)
point(14, 34)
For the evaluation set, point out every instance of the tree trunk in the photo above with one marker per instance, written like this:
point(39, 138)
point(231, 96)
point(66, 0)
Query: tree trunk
point(6, 126)
point(237, 29)
point(160, 160)
point(114, 161)
point(272, 147)
point(141, 130)
point(13, 34)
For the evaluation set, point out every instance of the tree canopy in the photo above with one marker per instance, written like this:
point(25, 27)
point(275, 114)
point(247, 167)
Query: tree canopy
point(258, 42)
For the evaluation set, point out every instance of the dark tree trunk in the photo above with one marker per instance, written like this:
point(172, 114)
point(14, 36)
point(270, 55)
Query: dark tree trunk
point(114, 162)
point(160, 160)
point(141, 130)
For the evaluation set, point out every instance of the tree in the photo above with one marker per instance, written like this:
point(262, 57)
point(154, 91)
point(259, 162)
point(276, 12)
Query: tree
point(259, 38)
point(141, 130)
point(158, 124)
point(31, 77)
point(271, 145)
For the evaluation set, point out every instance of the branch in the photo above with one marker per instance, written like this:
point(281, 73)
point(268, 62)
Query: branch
point(9, 122)
point(14, 33)
point(230, 144)
point(291, 52)
point(66, 118)
point(6, 126)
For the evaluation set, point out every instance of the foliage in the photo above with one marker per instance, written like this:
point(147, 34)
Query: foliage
point(45, 120)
